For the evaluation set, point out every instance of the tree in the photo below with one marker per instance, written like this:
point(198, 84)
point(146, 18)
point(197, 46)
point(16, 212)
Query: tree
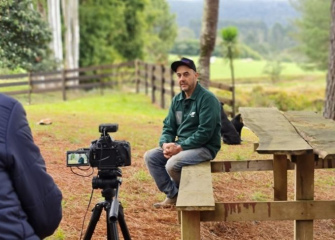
point(130, 42)
point(54, 18)
point(24, 37)
point(98, 34)
point(125, 30)
point(313, 31)
point(229, 41)
point(115, 35)
point(71, 24)
point(160, 29)
point(329, 111)
point(207, 38)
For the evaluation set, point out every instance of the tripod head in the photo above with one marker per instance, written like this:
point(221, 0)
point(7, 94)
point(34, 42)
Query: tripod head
point(107, 178)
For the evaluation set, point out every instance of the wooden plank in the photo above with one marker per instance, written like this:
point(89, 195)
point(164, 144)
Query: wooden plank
point(280, 177)
point(270, 211)
point(221, 86)
point(45, 74)
point(304, 190)
point(11, 84)
point(16, 92)
point(276, 135)
point(241, 166)
point(261, 165)
point(316, 130)
point(13, 76)
point(190, 225)
point(196, 189)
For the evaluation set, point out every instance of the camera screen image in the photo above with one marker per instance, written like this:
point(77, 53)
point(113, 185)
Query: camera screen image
point(77, 158)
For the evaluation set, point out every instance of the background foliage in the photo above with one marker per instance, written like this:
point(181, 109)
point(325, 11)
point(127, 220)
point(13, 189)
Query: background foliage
point(313, 32)
point(116, 30)
point(24, 37)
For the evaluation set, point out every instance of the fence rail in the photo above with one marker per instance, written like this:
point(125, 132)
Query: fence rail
point(154, 79)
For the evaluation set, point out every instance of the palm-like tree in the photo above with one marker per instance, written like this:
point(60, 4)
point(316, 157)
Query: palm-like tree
point(229, 38)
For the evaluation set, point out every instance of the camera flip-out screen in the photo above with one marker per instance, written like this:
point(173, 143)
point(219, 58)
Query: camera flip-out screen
point(77, 158)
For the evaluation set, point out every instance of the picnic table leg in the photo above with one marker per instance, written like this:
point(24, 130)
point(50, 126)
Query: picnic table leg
point(280, 177)
point(190, 225)
point(304, 190)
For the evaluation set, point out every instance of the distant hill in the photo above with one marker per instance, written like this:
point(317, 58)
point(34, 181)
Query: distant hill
point(268, 11)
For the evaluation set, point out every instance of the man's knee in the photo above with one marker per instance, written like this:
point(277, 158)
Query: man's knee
point(151, 156)
point(172, 165)
point(147, 157)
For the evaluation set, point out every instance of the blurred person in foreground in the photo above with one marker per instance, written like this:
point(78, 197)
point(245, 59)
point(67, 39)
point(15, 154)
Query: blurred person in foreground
point(190, 135)
point(30, 205)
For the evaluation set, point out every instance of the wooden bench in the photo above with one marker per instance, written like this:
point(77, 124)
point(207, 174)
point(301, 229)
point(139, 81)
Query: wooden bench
point(195, 195)
point(298, 141)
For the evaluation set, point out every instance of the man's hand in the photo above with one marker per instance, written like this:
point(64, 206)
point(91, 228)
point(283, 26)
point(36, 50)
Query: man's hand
point(170, 149)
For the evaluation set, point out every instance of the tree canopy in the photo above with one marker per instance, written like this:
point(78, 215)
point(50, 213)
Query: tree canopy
point(24, 37)
point(313, 31)
point(113, 30)
point(161, 31)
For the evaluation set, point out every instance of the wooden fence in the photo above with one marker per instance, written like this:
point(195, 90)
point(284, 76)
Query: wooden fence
point(67, 79)
point(154, 79)
point(158, 79)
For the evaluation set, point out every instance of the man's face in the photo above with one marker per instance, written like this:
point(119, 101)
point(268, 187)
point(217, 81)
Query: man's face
point(187, 79)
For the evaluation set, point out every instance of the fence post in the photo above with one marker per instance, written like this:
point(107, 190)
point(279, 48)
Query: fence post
point(146, 69)
point(101, 81)
point(64, 84)
point(233, 101)
point(163, 87)
point(30, 87)
point(118, 77)
point(153, 86)
point(172, 83)
point(137, 79)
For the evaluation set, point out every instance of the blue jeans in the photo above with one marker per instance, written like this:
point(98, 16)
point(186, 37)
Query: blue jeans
point(167, 172)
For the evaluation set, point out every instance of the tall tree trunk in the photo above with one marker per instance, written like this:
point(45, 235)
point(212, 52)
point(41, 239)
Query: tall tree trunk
point(207, 38)
point(329, 111)
point(71, 21)
point(54, 19)
point(76, 39)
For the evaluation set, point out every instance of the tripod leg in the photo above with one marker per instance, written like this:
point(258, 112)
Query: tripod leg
point(122, 223)
point(94, 219)
point(112, 231)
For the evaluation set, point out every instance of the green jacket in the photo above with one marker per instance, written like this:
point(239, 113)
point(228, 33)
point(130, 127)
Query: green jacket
point(194, 122)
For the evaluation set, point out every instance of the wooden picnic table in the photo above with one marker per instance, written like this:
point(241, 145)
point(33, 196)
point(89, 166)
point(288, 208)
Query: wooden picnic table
point(297, 140)
point(302, 136)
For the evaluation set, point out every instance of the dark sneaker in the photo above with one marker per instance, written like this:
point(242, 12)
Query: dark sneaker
point(167, 203)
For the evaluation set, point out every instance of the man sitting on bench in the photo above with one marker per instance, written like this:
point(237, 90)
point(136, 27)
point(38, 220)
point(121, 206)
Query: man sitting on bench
point(191, 132)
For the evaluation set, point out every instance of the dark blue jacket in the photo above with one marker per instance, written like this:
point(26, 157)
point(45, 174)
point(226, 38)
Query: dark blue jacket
point(30, 201)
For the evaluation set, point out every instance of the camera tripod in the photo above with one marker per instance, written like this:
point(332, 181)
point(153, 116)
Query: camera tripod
point(109, 182)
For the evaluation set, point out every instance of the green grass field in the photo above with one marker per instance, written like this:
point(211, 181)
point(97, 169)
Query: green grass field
point(248, 68)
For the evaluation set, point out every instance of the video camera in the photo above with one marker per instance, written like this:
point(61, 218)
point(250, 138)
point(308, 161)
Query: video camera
point(104, 153)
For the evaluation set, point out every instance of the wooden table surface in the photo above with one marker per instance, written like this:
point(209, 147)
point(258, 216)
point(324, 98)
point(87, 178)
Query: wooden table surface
point(316, 130)
point(275, 133)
